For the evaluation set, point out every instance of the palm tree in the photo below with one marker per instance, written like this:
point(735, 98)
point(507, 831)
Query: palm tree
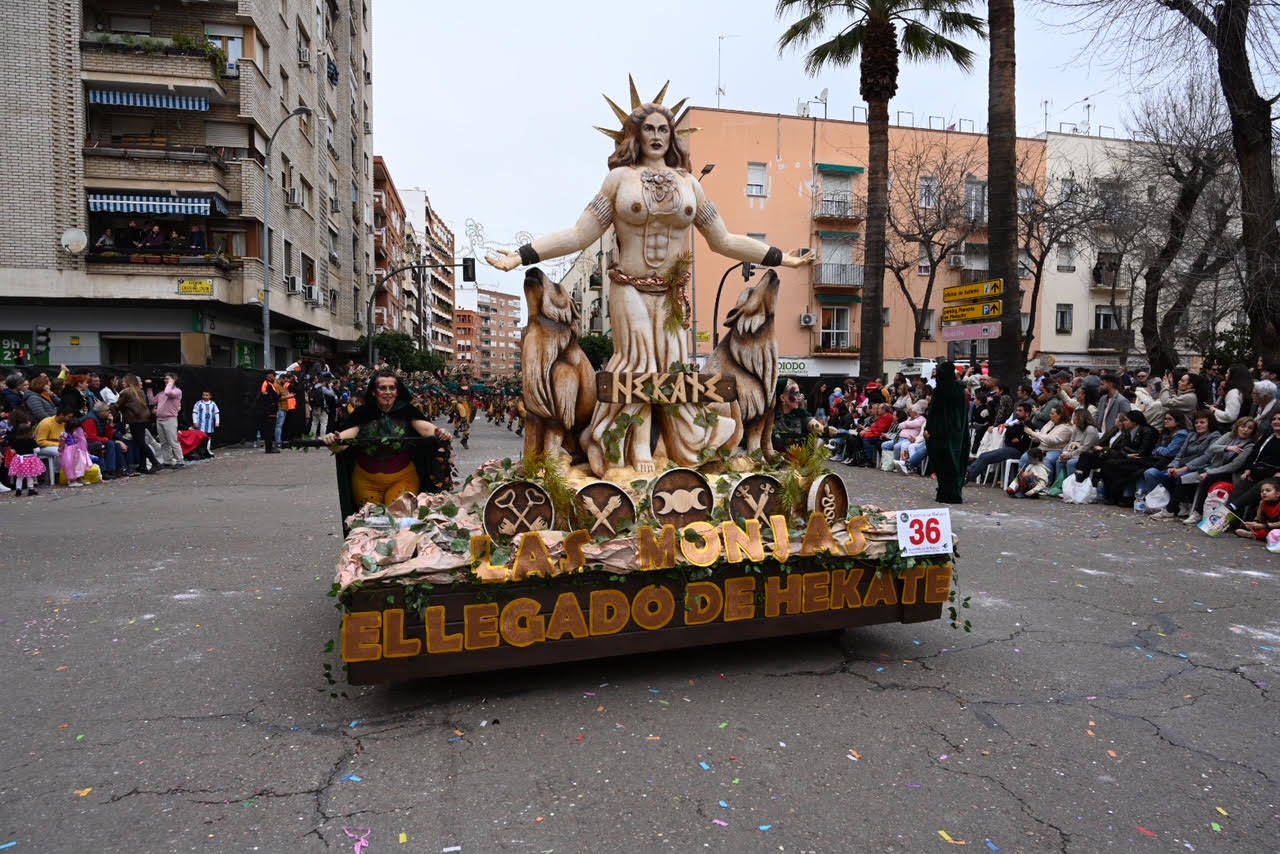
point(1002, 167)
point(877, 32)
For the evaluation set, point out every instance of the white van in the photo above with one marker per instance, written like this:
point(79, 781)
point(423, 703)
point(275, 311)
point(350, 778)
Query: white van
point(913, 366)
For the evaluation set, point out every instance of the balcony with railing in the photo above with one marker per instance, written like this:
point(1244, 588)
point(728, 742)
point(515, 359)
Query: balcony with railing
point(840, 207)
point(837, 275)
point(837, 342)
point(122, 162)
point(1111, 339)
point(173, 67)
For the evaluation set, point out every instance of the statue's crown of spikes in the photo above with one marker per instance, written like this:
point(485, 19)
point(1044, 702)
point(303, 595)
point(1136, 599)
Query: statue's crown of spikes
point(617, 135)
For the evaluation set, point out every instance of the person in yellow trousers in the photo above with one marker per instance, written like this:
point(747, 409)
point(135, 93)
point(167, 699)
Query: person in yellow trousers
point(381, 473)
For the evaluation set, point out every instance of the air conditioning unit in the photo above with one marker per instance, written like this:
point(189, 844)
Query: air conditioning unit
point(373, 279)
point(293, 198)
point(957, 261)
point(368, 227)
point(304, 57)
point(310, 294)
point(291, 284)
point(368, 128)
point(808, 319)
point(334, 205)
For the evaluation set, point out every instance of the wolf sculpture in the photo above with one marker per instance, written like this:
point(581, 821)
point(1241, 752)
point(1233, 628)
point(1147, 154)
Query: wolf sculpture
point(749, 354)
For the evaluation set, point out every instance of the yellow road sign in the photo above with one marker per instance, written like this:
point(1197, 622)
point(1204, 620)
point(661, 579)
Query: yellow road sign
point(974, 311)
point(977, 290)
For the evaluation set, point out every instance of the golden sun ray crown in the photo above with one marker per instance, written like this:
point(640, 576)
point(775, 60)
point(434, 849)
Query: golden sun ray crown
point(621, 114)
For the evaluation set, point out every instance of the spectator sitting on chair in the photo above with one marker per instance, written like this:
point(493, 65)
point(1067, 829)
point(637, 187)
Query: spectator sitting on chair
point(49, 434)
point(1053, 439)
point(1229, 453)
point(101, 433)
point(873, 435)
point(1194, 455)
point(1263, 463)
point(1016, 443)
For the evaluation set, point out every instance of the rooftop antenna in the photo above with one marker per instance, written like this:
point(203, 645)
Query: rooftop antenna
point(822, 96)
point(1045, 104)
point(1088, 113)
point(719, 47)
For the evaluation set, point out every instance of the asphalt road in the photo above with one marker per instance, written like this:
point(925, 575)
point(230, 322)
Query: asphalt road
point(163, 691)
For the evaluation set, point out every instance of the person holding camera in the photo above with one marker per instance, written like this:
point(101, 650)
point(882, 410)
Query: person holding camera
point(168, 403)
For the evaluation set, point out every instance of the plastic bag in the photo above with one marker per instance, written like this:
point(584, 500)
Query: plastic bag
point(992, 440)
point(1273, 541)
point(1158, 499)
point(886, 460)
point(1058, 483)
point(1079, 491)
point(1216, 521)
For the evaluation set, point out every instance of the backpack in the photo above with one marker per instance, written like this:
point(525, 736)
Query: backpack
point(315, 396)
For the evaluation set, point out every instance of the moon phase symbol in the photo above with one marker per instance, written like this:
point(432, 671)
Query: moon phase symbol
point(680, 501)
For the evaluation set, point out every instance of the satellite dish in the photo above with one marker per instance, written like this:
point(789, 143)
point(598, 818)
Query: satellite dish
point(823, 96)
point(74, 241)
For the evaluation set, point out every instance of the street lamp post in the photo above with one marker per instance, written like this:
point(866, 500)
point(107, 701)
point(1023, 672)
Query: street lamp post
point(266, 239)
point(693, 275)
point(715, 311)
point(468, 275)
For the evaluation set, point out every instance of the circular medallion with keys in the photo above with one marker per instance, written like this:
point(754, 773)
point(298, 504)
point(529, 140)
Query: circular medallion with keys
point(516, 507)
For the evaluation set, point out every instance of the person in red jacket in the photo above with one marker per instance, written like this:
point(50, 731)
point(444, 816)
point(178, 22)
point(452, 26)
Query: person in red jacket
point(873, 436)
point(100, 430)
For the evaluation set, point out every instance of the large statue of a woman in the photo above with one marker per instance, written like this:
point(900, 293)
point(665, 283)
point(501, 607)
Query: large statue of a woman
point(651, 199)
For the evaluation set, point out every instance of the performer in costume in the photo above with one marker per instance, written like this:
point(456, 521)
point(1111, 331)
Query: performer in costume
point(947, 434)
point(382, 474)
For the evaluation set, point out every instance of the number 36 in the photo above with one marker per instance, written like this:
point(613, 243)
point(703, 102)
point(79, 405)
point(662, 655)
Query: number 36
point(925, 531)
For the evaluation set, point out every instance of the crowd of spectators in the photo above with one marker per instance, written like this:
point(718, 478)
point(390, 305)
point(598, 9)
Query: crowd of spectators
point(1178, 438)
point(152, 238)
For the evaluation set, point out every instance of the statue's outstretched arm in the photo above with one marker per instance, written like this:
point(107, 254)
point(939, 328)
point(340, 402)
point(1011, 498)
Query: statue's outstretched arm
point(739, 246)
point(595, 219)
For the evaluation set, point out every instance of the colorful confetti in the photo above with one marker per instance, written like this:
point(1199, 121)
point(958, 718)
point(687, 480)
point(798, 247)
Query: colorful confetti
point(1221, 810)
point(992, 845)
point(704, 766)
point(719, 822)
point(724, 804)
point(765, 827)
point(948, 838)
point(83, 792)
point(1217, 828)
point(1146, 832)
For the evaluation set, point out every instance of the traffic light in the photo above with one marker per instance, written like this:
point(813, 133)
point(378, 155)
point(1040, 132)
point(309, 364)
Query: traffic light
point(21, 359)
point(468, 269)
point(748, 270)
point(40, 339)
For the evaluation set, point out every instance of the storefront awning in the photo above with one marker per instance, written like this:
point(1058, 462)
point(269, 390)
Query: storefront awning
point(149, 100)
point(117, 203)
point(839, 299)
point(840, 167)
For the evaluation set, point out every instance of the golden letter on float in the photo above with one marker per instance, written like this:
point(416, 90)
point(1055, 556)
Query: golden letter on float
point(521, 624)
point(857, 540)
point(394, 643)
point(881, 591)
point(437, 639)
point(708, 552)
point(703, 602)
point(653, 607)
point(481, 545)
point(657, 553)
point(817, 596)
point(818, 538)
point(610, 611)
point(567, 618)
point(739, 543)
point(532, 558)
point(937, 584)
point(574, 559)
point(739, 598)
point(360, 636)
point(844, 588)
point(781, 538)
point(910, 581)
point(480, 625)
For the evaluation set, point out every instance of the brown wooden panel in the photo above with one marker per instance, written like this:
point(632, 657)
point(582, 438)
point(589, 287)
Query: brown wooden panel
point(667, 387)
point(632, 638)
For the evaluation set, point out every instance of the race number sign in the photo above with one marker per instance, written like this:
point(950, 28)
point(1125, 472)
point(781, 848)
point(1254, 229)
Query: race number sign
point(924, 532)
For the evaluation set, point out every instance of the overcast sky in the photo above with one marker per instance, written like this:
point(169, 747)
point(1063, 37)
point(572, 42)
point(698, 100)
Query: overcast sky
point(489, 104)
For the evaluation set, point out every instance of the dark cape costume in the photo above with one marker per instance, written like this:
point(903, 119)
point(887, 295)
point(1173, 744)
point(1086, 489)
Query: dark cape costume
point(430, 456)
point(947, 426)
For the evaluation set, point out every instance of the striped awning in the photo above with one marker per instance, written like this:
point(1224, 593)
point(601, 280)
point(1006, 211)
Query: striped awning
point(149, 100)
point(117, 203)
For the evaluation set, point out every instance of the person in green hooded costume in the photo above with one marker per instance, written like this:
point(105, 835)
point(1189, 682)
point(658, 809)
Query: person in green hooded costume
point(946, 434)
point(381, 473)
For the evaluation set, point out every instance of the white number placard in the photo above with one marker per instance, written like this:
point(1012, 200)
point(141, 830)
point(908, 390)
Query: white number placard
point(924, 532)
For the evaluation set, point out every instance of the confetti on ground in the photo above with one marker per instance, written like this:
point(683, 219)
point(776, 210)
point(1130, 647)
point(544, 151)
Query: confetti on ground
point(80, 737)
point(992, 845)
point(7, 845)
point(354, 723)
point(454, 738)
point(83, 792)
point(766, 827)
point(704, 766)
point(664, 702)
point(1146, 832)
point(855, 755)
point(879, 670)
point(737, 780)
point(654, 691)
point(1221, 810)
point(1217, 828)
point(540, 819)
point(782, 744)
point(360, 835)
point(733, 759)
point(719, 822)
point(404, 837)
point(459, 733)
point(723, 724)
point(724, 804)
point(947, 837)
point(1112, 754)
point(1090, 732)
point(588, 693)
point(654, 738)
point(599, 708)
point(943, 757)
point(354, 778)
point(581, 738)
point(450, 849)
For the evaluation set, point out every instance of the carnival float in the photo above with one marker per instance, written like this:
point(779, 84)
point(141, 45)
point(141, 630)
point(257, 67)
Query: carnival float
point(649, 509)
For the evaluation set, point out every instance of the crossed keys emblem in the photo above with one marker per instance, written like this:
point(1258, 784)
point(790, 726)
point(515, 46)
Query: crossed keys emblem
point(517, 507)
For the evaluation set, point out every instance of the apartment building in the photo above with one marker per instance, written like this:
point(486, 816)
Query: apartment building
point(389, 300)
point(794, 181)
point(440, 282)
point(146, 126)
point(498, 334)
point(466, 338)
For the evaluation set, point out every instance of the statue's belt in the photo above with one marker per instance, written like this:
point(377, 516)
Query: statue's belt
point(649, 284)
